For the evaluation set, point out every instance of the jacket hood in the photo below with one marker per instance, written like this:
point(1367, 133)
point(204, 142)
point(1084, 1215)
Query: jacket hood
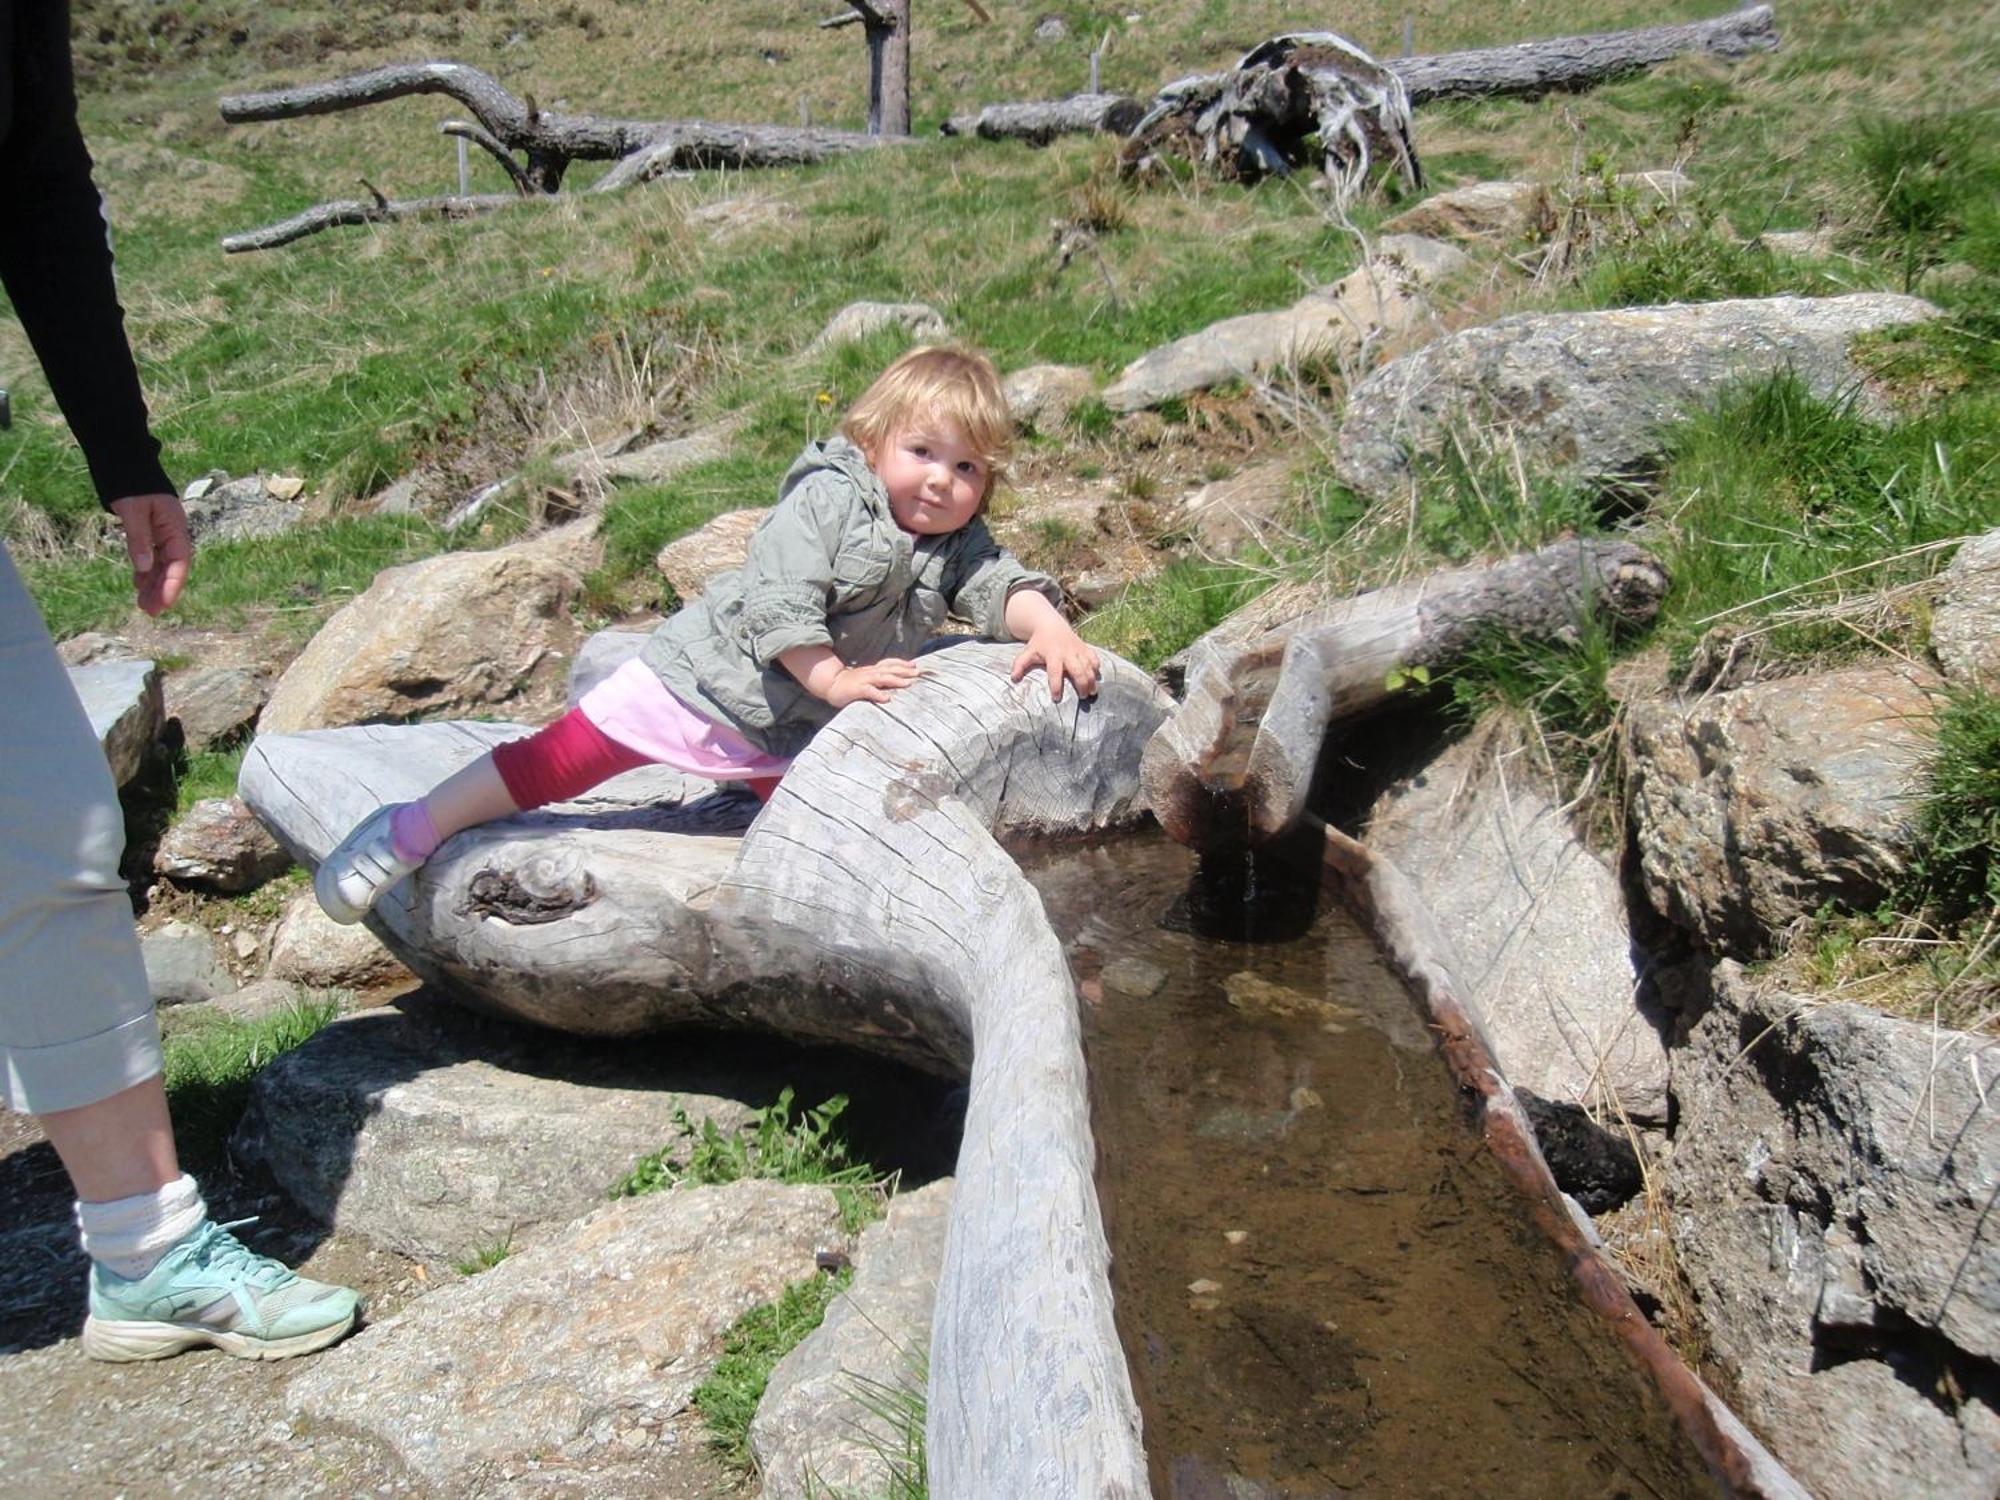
point(841, 457)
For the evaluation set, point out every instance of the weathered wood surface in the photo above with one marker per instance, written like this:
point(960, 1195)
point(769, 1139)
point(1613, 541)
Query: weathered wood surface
point(548, 140)
point(1404, 929)
point(1286, 99)
point(1235, 760)
point(1571, 64)
point(1556, 64)
point(1040, 122)
point(867, 903)
point(365, 211)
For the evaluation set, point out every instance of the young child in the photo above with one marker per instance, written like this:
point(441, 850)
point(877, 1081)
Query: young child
point(876, 534)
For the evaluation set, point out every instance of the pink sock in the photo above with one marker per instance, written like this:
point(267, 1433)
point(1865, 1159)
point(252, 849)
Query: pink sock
point(411, 831)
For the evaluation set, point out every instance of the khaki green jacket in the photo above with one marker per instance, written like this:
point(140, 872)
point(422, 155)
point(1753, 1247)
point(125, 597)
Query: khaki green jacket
point(829, 566)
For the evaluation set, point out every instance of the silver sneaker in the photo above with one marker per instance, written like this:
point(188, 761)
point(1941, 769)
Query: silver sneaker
point(352, 878)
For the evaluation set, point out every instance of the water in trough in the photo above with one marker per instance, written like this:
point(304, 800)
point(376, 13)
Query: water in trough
point(1323, 1284)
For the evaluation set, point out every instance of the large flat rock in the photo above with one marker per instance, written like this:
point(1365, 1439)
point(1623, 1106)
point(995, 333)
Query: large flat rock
point(1832, 1189)
point(576, 1352)
point(437, 1136)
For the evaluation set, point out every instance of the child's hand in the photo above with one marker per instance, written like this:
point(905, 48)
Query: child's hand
point(1057, 648)
point(871, 683)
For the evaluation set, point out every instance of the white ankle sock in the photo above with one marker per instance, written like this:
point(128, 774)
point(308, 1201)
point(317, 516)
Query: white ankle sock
point(129, 1235)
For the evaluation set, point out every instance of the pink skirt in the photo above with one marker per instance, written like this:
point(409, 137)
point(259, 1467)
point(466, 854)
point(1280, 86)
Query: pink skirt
point(635, 708)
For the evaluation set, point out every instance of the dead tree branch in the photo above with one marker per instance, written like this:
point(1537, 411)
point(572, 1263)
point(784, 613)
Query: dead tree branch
point(377, 210)
point(483, 138)
point(549, 141)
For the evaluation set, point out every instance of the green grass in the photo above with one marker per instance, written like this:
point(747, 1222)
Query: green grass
point(1158, 616)
point(1786, 512)
point(1956, 871)
point(639, 521)
point(291, 582)
point(486, 1257)
point(775, 1145)
point(1933, 181)
point(206, 774)
point(751, 1349)
point(210, 1065)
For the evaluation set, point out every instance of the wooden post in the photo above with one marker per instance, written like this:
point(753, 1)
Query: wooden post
point(464, 171)
point(895, 74)
point(1409, 36)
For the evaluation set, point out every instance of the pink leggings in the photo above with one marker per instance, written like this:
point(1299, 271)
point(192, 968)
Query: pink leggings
point(571, 756)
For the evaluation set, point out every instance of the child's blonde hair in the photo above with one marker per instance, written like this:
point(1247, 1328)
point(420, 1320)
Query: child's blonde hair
point(944, 384)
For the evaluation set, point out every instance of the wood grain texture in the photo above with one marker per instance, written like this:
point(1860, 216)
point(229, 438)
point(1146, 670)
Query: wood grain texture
point(867, 903)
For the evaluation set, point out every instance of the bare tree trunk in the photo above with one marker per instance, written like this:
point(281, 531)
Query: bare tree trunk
point(1038, 124)
point(896, 70)
point(1574, 63)
point(1235, 761)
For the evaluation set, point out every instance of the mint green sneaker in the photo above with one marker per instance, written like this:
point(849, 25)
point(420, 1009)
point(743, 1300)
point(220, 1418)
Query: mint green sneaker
point(213, 1289)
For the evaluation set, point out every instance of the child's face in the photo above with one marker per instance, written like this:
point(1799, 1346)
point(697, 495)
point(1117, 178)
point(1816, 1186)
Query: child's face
point(934, 479)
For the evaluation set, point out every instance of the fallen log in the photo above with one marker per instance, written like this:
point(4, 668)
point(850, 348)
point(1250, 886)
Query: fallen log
point(1039, 123)
point(1234, 762)
point(549, 141)
point(1571, 64)
point(1558, 64)
point(867, 904)
point(1404, 929)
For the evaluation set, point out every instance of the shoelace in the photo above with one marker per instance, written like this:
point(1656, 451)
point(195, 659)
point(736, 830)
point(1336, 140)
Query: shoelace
point(219, 1250)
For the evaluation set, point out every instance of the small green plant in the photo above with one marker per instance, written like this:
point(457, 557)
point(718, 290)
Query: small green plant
point(486, 1257)
point(210, 1065)
point(773, 1145)
point(1560, 689)
point(1400, 678)
point(207, 774)
point(1956, 870)
point(751, 1349)
point(1092, 418)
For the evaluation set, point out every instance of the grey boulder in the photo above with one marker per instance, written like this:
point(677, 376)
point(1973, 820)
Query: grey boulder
point(122, 699)
point(1594, 395)
point(1758, 806)
point(1831, 1189)
point(575, 1352)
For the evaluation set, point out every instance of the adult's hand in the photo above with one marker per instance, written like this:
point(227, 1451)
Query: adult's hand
point(156, 538)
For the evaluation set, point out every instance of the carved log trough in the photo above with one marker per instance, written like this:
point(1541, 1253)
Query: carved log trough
point(867, 903)
point(1236, 760)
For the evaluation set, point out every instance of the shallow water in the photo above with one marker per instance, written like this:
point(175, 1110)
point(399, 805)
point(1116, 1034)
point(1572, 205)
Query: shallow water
point(1323, 1283)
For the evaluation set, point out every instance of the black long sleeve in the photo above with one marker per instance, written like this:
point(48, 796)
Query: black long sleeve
point(55, 255)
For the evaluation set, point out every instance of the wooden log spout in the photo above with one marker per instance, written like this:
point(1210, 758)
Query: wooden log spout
point(1235, 761)
point(868, 903)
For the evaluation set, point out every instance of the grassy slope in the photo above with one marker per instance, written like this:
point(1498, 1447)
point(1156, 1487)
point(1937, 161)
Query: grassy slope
point(467, 350)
